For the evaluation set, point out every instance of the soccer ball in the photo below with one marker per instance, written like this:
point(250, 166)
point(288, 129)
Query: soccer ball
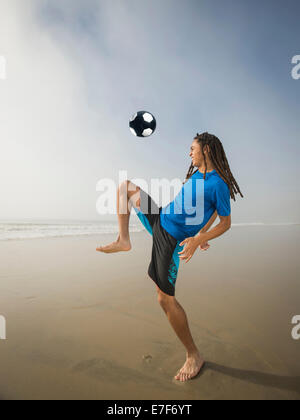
point(142, 124)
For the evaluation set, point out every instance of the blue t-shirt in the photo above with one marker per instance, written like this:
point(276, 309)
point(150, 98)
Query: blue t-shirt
point(195, 204)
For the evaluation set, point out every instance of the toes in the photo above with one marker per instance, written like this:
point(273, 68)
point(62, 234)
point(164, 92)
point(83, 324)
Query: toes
point(178, 374)
point(186, 373)
point(185, 376)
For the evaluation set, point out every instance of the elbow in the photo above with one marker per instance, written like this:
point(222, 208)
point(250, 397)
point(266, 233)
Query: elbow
point(224, 226)
point(226, 222)
point(227, 226)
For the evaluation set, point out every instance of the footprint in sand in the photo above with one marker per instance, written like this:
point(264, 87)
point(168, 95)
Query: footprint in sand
point(147, 357)
point(104, 370)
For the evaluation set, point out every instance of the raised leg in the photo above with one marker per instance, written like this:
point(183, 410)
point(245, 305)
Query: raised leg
point(128, 195)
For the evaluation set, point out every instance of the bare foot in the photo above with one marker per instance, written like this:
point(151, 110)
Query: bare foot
point(117, 246)
point(190, 369)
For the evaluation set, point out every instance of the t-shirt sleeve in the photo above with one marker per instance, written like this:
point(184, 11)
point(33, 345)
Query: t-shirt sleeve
point(222, 199)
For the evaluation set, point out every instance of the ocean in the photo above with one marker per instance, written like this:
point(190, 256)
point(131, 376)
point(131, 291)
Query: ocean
point(36, 230)
point(18, 230)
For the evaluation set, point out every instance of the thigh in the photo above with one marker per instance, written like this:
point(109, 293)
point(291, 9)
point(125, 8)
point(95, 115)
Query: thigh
point(164, 265)
point(143, 204)
point(134, 195)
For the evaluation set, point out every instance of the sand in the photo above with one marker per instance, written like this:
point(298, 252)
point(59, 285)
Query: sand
point(85, 325)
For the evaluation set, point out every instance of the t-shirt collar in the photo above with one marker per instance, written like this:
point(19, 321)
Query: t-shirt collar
point(207, 173)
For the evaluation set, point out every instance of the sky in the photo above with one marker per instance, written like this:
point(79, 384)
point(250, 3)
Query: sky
point(77, 70)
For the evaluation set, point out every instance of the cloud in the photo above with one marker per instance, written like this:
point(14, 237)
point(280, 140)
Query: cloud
point(47, 130)
point(77, 70)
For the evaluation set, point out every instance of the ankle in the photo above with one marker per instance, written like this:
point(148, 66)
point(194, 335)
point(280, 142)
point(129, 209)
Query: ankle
point(125, 240)
point(194, 354)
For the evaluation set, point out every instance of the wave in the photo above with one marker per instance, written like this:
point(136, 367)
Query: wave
point(31, 230)
point(13, 231)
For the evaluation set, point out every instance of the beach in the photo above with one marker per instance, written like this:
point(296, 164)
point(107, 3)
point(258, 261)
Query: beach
point(86, 325)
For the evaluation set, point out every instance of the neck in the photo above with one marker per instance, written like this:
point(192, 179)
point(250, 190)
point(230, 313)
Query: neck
point(208, 169)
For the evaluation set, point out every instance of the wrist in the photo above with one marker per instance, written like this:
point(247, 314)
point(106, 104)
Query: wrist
point(201, 237)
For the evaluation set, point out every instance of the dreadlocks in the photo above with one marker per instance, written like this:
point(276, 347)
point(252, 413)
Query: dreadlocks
point(218, 158)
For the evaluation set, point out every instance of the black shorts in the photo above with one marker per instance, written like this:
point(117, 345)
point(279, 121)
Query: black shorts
point(164, 265)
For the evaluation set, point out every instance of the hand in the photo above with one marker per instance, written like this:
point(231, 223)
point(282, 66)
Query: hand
point(190, 246)
point(204, 246)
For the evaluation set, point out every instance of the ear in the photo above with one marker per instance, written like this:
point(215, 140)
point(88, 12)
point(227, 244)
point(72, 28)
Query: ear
point(206, 148)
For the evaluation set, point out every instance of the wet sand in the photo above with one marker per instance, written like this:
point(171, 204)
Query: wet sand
point(85, 325)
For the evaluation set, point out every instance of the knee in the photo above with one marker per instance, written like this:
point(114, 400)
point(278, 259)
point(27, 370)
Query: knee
point(164, 300)
point(124, 189)
point(124, 185)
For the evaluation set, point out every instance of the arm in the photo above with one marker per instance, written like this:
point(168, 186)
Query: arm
point(206, 228)
point(203, 236)
point(210, 222)
point(222, 205)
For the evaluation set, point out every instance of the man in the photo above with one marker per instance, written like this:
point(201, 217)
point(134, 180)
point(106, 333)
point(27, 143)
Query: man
point(174, 237)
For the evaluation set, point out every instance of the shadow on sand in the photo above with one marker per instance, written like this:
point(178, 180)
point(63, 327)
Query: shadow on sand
point(289, 383)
